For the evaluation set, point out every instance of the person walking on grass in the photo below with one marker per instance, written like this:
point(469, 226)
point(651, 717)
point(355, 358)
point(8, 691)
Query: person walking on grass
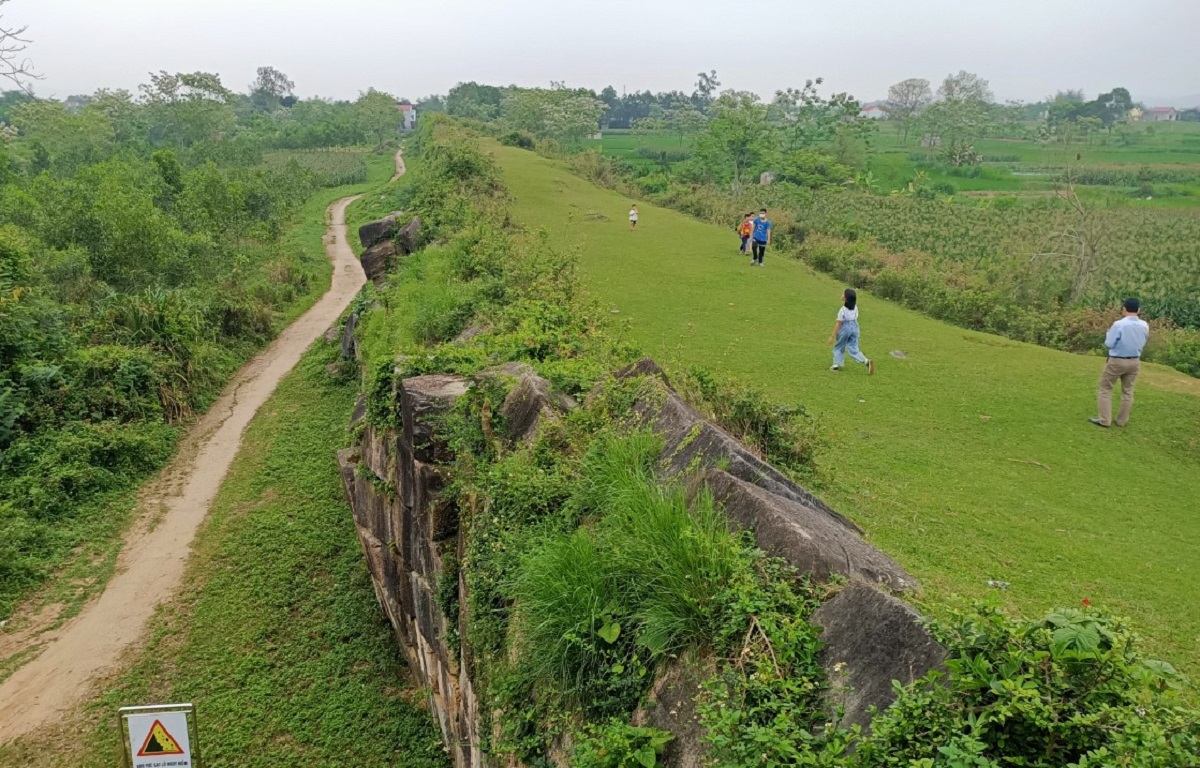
point(762, 238)
point(744, 230)
point(633, 217)
point(845, 334)
point(1125, 341)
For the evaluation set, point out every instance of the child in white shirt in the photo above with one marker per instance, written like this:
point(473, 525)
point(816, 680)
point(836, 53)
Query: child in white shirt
point(845, 334)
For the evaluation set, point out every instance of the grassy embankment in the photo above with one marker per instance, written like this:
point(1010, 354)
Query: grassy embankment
point(969, 460)
point(85, 570)
point(276, 636)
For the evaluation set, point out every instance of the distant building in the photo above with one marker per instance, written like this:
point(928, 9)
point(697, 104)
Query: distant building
point(408, 115)
point(876, 110)
point(1136, 113)
point(1160, 115)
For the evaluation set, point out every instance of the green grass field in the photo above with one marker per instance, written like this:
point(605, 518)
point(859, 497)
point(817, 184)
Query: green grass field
point(276, 638)
point(625, 144)
point(969, 459)
point(1167, 146)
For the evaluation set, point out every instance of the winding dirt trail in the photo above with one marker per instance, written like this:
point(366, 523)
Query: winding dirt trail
point(151, 565)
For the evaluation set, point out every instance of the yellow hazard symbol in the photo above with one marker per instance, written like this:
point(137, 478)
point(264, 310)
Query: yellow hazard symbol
point(159, 742)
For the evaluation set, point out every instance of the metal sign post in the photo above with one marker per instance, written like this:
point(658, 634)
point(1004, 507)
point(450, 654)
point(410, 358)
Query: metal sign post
point(160, 736)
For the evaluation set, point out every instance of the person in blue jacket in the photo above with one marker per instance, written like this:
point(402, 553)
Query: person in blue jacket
point(761, 238)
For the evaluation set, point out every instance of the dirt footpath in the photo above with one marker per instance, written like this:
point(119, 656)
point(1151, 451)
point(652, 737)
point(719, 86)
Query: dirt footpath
point(152, 563)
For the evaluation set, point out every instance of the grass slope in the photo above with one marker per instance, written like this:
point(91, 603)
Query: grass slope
point(277, 637)
point(934, 455)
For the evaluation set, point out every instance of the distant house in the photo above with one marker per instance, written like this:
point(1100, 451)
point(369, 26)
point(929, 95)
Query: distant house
point(1160, 115)
point(877, 110)
point(408, 115)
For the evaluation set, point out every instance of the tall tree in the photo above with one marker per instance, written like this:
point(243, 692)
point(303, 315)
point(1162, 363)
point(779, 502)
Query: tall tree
point(806, 118)
point(431, 103)
point(1069, 96)
point(685, 120)
point(1112, 107)
point(565, 114)
point(270, 88)
point(951, 129)
point(965, 86)
point(739, 136)
point(706, 87)
point(908, 98)
point(474, 101)
point(187, 107)
point(377, 114)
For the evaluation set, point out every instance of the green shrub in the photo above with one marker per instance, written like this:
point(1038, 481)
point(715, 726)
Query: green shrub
point(520, 139)
point(619, 745)
point(1069, 689)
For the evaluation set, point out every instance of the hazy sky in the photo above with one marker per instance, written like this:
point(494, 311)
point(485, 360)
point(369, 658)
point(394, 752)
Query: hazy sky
point(1026, 48)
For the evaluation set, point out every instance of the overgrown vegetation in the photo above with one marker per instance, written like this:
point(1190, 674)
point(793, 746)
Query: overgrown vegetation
point(144, 255)
point(276, 635)
point(586, 577)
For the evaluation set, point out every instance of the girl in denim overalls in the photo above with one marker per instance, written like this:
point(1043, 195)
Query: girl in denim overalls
point(845, 334)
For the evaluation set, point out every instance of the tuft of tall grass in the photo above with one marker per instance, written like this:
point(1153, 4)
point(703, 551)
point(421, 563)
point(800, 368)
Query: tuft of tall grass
point(652, 564)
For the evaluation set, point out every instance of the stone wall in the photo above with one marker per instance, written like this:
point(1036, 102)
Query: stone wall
point(409, 531)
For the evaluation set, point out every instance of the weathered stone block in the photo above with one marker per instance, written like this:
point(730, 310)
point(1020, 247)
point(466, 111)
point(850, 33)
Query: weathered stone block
point(349, 340)
point(691, 443)
point(409, 236)
point(643, 367)
point(871, 639)
point(379, 452)
point(672, 707)
point(423, 400)
point(379, 230)
point(378, 260)
point(812, 541)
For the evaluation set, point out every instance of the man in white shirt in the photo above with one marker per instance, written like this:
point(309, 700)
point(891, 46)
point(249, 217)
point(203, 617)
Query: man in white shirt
point(1125, 341)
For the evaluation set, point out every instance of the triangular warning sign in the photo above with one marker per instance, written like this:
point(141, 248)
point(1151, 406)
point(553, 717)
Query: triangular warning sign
point(159, 742)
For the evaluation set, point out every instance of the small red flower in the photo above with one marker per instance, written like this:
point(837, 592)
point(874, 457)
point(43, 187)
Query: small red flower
point(1086, 603)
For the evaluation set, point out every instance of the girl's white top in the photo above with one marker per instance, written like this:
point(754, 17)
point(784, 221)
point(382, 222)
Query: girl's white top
point(847, 314)
point(633, 215)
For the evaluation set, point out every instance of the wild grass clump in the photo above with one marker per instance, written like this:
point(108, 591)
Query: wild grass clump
point(641, 582)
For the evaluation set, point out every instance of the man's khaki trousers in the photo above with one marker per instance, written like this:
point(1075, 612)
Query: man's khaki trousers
point(1127, 372)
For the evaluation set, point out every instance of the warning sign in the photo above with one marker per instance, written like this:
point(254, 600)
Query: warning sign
point(159, 742)
point(158, 738)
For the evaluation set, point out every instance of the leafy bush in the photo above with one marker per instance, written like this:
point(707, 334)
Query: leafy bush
point(1069, 689)
point(619, 745)
point(520, 139)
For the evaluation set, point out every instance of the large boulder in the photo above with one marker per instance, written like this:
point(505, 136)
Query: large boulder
point(424, 401)
point(531, 400)
point(379, 230)
point(408, 237)
point(692, 443)
point(868, 640)
point(646, 366)
point(807, 538)
point(378, 260)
